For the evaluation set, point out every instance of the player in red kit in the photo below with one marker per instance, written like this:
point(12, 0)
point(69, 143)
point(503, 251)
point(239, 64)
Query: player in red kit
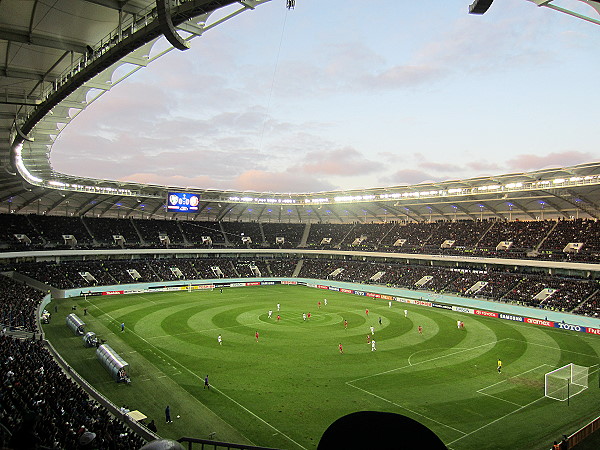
point(341, 349)
point(420, 329)
point(319, 305)
point(308, 316)
point(256, 336)
point(345, 324)
point(367, 311)
point(278, 317)
point(368, 338)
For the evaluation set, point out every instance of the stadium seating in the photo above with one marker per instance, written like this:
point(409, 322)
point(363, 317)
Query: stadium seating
point(536, 239)
point(46, 409)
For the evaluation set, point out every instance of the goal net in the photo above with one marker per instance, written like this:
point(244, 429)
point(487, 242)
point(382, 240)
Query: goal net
point(565, 382)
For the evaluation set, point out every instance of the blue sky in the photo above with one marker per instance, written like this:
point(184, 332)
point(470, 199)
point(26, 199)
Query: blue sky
point(351, 94)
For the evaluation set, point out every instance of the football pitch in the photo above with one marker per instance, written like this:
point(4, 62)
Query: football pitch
point(286, 389)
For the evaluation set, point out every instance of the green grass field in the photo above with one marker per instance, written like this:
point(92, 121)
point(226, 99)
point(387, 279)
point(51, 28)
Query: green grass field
point(286, 389)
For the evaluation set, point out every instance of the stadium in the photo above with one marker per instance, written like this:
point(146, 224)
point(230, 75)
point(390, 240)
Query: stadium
point(454, 314)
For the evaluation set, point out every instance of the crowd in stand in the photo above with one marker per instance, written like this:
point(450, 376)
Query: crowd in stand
point(152, 230)
point(562, 293)
point(538, 239)
point(195, 231)
point(290, 232)
point(18, 303)
point(42, 407)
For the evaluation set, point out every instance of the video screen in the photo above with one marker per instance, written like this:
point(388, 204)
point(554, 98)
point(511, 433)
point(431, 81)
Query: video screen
point(182, 202)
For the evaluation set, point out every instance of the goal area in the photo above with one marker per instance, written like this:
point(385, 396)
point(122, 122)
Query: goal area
point(566, 381)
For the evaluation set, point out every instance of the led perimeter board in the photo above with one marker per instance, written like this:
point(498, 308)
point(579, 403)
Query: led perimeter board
point(182, 202)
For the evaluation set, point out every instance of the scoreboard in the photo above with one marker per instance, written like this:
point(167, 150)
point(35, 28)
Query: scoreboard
point(182, 202)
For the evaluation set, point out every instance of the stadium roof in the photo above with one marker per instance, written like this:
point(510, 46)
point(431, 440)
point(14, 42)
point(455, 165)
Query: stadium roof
point(56, 58)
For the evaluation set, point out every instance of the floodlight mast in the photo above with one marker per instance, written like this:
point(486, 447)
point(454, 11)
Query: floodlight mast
point(481, 6)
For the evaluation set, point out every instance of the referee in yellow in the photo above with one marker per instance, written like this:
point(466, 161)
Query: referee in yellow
point(499, 365)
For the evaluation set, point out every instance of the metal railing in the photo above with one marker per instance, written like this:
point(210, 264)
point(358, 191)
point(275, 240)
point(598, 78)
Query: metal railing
point(207, 443)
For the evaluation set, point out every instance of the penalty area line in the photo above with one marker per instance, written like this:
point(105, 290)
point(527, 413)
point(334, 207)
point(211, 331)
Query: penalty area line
point(425, 361)
point(496, 420)
point(405, 408)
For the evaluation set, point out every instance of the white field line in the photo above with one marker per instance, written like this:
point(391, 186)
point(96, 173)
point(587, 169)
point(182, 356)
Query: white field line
point(430, 349)
point(424, 361)
point(514, 376)
point(405, 408)
point(349, 383)
point(254, 415)
point(496, 420)
point(480, 391)
point(501, 399)
point(147, 299)
point(200, 378)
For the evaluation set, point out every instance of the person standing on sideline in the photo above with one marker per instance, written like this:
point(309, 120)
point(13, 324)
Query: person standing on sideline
point(152, 426)
point(373, 348)
point(122, 326)
point(206, 385)
point(256, 336)
point(168, 414)
point(220, 340)
point(341, 349)
point(499, 365)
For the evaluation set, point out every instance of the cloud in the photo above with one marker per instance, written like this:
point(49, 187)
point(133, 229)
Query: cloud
point(527, 162)
point(202, 181)
point(344, 161)
point(411, 176)
point(437, 166)
point(287, 181)
point(484, 166)
point(482, 45)
point(402, 77)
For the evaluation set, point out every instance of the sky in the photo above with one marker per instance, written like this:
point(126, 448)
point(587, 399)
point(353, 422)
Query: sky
point(351, 94)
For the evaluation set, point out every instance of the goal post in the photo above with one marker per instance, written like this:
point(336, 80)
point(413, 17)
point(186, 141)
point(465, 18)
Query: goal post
point(566, 382)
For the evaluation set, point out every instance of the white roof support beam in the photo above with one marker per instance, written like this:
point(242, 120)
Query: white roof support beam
point(549, 4)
